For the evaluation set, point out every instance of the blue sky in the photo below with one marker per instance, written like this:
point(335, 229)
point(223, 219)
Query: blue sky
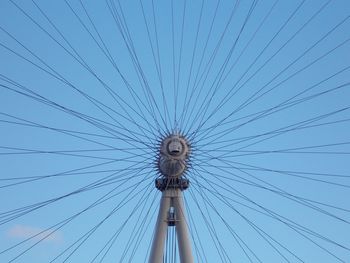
point(259, 88)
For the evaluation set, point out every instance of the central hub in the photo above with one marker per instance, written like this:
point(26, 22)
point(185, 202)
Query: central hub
point(173, 156)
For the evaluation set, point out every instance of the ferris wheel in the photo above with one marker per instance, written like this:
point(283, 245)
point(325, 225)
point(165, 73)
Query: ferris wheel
point(174, 131)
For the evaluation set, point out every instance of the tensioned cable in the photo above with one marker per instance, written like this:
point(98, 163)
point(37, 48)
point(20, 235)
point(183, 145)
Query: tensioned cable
point(213, 234)
point(201, 255)
point(316, 235)
point(289, 102)
point(81, 61)
point(112, 93)
point(209, 64)
point(62, 223)
point(177, 82)
point(109, 56)
point(294, 150)
point(296, 126)
point(87, 235)
point(156, 57)
point(230, 165)
point(121, 23)
point(229, 95)
point(112, 178)
point(69, 133)
point(184, 106)
point(234, 234)
point(277, 190)
point(296, 174)
point(259, 230)
point(211, 228)
point(19, 212)
point(187, 102)
point(136, 230)
point(203, 108)
point(252, 99)
point(288, 128)
point(76, 114)
point(113, 239)
point(143, 228)
point(225, 100)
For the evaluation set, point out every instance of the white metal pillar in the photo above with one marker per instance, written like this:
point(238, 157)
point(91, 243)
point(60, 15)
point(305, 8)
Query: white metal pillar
point(183, 238)
point(171, 197)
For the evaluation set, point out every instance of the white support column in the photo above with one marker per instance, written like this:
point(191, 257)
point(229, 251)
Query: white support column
point(157, 250)
point(171, 197)
point(183, 238)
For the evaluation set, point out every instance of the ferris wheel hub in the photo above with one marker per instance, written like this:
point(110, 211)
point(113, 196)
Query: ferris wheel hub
point(173, 156)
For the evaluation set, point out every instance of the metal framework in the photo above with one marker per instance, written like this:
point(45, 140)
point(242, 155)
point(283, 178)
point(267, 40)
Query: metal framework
point(172, 164)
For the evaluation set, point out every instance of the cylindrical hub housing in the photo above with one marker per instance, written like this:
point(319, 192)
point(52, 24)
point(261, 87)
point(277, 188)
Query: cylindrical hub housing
point(173, 156)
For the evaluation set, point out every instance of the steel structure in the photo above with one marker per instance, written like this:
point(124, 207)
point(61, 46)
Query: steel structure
point(173, 159)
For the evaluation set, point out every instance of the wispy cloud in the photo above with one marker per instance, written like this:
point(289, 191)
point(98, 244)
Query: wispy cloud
point(24, 232)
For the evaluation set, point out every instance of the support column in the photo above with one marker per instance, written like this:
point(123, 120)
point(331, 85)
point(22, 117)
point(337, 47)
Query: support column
point(157, 250)
point(183, 238)
point(171, 197)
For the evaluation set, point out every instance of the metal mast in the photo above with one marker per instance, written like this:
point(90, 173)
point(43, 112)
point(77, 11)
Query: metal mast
point(172, 163)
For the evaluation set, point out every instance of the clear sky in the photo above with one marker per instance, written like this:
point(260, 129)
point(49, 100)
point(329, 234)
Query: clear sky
point(259, 88)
